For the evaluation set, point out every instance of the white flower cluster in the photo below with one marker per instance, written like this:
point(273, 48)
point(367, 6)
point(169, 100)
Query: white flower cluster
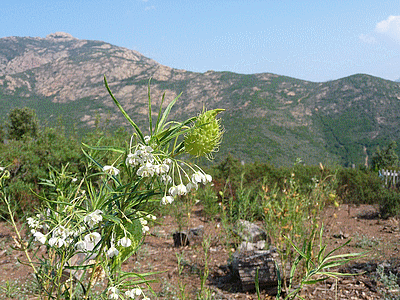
point(113, 293)
point(143, 222)
point(93, 218)
point(148, 164)
point(111, 170)
point(61, 236)
point(182, 189)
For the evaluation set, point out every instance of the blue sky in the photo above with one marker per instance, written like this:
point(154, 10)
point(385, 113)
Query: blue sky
point(311, 40)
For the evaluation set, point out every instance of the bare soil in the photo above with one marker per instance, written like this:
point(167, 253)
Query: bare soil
point(180, 268)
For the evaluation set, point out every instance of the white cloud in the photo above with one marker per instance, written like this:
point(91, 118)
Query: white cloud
point(367, 38)
point(390, 28)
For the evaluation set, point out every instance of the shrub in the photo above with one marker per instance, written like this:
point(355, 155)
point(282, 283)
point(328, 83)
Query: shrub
point(359, 186)
point(389, 203)
point(23, 123)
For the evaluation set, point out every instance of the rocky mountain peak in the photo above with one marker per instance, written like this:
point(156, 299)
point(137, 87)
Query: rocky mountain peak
point(268, 116)
point(60, 36)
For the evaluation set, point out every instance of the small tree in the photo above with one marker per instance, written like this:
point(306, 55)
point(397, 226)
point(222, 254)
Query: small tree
point(23, 122)
point(386, 157)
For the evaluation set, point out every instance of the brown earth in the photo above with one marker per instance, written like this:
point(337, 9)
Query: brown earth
point(158, 254)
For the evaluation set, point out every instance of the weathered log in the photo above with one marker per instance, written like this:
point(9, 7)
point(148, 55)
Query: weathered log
point(246, 264)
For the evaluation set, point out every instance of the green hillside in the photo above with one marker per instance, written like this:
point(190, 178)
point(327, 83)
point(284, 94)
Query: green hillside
point(267, 117)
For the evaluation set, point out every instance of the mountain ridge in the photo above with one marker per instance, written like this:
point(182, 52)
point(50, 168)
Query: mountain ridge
point(268, 117)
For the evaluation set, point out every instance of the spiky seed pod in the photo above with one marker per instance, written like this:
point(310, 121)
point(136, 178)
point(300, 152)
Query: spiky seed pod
point(205, 135)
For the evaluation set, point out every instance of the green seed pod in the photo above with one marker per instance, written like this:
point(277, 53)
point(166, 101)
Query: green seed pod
point(205, 135)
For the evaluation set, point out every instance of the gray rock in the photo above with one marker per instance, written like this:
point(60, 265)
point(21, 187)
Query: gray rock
point(250, 232)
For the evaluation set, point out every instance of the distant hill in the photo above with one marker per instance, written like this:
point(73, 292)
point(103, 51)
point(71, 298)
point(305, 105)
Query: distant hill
point(268, 117)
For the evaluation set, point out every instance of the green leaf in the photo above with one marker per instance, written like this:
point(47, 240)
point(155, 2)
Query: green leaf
point(133, 231)
point(149, 107)
point(123, 111)
point(159, 114)
point(279, 278)
point(164, 117)
point(314, 281)
point(79, 267)
point(105, 148)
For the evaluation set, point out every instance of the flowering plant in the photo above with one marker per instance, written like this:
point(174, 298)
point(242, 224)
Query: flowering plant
point(91, 225)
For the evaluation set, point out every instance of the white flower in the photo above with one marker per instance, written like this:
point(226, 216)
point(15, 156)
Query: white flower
point(181, 189)
point(32, 223)
point(81, 245)
point(208, 177)
point(124, 242)
point(133, 293)
point(91, 240)
point(147, 139)
point(112, 251)
point(56, 241)
point(111, 170)
point(93, 218)
point(129, 294)
point(132, 159)
point(191, 186)
point(167, 200)
point(61, 232)
point(146, 170)
point(161, 169)
point(145, 229)
point(166, 178)
point(113, 293)
point(40, 237)
point(198, 177)
point(92, 237)
point(144, 223)
point(173, 191)
point(141, 156)
point(177, 190)
point(149, 216)
point(146, 149)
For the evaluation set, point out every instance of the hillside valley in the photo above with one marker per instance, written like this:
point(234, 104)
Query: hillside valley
point(267, 118)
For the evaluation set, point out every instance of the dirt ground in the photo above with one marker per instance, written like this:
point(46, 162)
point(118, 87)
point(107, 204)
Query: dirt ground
point(180, 268)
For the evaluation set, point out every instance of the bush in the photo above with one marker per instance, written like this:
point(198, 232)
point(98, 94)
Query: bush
point(23, 123)
point(389, 204)
point(28, 160)
point(358, 186)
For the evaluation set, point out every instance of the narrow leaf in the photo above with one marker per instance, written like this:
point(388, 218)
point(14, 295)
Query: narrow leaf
point(123, 111)
point(149, 107)
point(166, 113)
point(159, 114)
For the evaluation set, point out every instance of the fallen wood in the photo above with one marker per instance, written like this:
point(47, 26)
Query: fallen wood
point(248, 263)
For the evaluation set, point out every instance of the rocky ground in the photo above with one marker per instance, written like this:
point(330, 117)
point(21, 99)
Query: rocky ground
point(180, 269)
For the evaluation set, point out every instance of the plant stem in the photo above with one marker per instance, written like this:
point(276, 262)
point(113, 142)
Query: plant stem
point(19, 235)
